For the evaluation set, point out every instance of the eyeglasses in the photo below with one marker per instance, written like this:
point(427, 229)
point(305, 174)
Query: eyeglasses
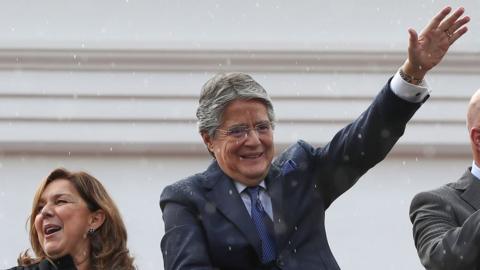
point(242, 131)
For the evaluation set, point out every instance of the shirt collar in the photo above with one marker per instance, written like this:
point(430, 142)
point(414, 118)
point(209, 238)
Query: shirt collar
point(475, 170)
point(241, 187)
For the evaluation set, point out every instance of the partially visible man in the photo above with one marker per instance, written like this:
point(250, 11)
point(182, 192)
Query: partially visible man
point(446, 221)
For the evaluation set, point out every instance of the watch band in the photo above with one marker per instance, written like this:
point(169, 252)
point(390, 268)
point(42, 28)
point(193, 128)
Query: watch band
point(408, 78)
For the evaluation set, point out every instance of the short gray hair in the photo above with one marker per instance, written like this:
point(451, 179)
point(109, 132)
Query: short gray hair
point(222, 89)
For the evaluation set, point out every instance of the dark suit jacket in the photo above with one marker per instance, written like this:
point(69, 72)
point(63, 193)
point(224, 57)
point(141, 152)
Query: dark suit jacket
point(446, 225)
point(208, 227)
point(64, 263)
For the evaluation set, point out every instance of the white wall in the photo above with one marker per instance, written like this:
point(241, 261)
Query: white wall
point(369, 227)
point(213, 24)
point(111, 87)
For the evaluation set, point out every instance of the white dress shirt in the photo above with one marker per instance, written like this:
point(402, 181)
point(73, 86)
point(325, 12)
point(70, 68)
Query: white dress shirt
point(475, 170)
point(407, 91)
point(264, 198)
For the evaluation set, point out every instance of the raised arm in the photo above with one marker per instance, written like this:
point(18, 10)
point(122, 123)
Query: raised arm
point(367, 140)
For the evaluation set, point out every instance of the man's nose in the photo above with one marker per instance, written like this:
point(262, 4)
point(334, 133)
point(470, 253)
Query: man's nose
point(252, 137)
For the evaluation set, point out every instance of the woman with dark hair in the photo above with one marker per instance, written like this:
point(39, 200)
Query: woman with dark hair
point(74, 224)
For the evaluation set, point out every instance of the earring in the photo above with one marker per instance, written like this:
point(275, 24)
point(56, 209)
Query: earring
point(91, 231)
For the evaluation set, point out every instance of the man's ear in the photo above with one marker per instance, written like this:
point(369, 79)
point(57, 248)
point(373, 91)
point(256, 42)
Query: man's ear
point(207, 140)
point(97, 219)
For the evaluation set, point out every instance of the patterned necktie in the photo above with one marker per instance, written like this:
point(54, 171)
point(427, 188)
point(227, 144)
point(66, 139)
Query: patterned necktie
point(262, 223)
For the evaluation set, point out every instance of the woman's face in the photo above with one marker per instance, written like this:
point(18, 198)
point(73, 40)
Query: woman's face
point(246, 159)
point(63, 221)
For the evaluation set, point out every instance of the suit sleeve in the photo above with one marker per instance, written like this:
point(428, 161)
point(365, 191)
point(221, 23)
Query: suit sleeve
point(363, 143)
point(441, 243)
point(184, 244)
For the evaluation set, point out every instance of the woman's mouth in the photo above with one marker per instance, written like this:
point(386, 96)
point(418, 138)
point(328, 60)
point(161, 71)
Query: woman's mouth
point(50, 229)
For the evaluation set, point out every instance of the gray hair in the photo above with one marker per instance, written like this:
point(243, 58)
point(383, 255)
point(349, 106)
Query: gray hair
point(222, 89)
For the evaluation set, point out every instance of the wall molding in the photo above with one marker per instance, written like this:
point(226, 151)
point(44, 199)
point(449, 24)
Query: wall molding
point(198, 149)
point(109, 124)
point(221, 60)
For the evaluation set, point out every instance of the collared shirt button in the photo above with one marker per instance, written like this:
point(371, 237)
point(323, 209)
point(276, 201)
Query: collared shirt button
point(294, 250)
point(289, 243)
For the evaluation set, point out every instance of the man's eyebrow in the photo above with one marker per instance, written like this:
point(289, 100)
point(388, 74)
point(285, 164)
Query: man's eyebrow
point(238, 125)
point(263, 122)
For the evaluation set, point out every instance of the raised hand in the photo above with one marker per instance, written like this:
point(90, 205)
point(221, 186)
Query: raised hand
point(428, 49)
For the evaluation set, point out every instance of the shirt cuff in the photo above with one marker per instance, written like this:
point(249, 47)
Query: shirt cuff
point(407, 91)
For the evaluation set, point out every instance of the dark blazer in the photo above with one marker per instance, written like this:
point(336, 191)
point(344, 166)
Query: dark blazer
point(208, 227)
point(446, 225)
point(64, 263)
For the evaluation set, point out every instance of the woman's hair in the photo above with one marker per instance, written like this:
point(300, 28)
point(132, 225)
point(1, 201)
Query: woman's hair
point(218, 92)
point(108, 244)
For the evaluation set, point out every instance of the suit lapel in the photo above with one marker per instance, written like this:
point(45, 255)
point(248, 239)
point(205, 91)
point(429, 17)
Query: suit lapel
point(227, 200)
point(471, 185)
point(274, 181)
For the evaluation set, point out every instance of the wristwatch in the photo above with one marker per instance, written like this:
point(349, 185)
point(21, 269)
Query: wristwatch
point(408, 78)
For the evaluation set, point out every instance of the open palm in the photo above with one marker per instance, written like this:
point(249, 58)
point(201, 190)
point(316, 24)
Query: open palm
point(428, 49)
